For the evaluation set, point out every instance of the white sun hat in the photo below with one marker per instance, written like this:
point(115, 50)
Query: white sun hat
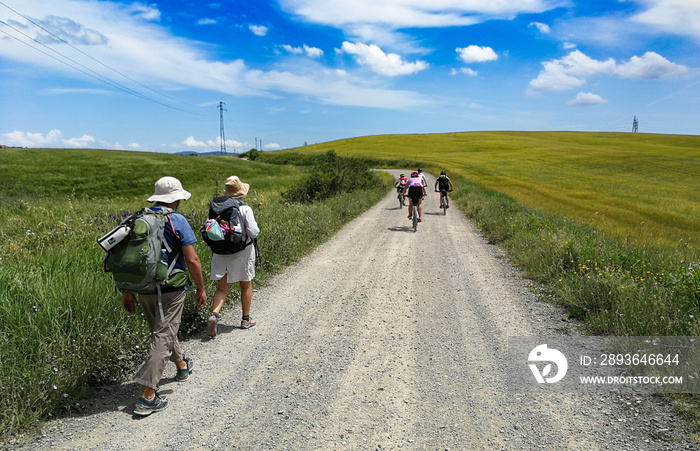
point(168, 190)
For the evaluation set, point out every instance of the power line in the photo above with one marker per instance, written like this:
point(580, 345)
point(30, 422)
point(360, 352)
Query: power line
point(84, 53)
point(87, 71)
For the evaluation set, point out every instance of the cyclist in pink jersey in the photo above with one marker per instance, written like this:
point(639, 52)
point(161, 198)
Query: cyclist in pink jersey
point(416, 192)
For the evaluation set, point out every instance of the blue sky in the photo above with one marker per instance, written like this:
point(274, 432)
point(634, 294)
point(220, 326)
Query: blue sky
point(150, 76)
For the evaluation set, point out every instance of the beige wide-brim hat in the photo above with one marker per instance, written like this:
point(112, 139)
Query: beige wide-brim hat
point(168, 190)
point(235, 188)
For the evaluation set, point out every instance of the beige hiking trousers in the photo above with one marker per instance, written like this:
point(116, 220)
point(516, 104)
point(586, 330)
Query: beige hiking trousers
point(164, 344)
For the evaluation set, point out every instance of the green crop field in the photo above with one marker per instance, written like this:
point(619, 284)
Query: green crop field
point(646, 187)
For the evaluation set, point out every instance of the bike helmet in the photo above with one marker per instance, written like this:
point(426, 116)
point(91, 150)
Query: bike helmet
point(402, 175)
point(414, 174)
point(420, 170)
point(443, 173)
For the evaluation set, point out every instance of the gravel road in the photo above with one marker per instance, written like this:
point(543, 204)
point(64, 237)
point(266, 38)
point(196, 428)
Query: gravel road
point(380, 339)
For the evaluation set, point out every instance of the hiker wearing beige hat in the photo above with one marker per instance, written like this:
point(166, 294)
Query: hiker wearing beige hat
point(235, 188)
point(235, 264)
point(163, 310)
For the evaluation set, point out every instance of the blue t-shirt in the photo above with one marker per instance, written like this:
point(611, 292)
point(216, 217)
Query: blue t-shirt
point(177, 233)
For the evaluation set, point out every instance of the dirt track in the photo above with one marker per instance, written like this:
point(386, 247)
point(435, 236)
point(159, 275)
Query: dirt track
point(381, 339)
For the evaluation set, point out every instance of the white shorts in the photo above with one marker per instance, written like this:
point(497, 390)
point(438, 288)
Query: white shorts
point(239, 267)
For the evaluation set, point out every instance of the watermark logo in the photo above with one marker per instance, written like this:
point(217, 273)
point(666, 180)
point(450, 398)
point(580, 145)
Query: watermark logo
point(542, 354)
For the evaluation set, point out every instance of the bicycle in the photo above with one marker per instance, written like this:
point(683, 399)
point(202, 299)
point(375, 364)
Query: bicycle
point(443, 204)
point(402, 199)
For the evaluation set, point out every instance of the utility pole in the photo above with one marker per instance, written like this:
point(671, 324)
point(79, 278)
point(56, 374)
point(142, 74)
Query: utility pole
point(221, 126)
point(635, 125)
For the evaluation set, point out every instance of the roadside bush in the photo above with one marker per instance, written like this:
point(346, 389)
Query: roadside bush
point(252, 154)
point(332, 175)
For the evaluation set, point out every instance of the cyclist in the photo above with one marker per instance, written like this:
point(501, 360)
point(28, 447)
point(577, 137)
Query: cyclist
point(401, 183)
point(443, 184)
point(416, 192)
point(422, 177)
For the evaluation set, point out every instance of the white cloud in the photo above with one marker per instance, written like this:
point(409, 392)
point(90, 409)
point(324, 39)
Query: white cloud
point(54, 138)
point(465, 71)
point(572, 70)
point(64, 29)
point(148, 52)
point(389, 64)
point(672, 16)
point(586, 99)
point(412, 13)
point(145, 11)
point(476, 54)
point(568, 45)
point(378, 21)
point(272, 146)
point(191, 142)
point(650, 66)
point(232, 144)
point(311, 52)
point(83, 141)
point(205, 21)
point(28, 139)
point(542, 27)
point(330, 87)
point(258, 30)
point(568, 72)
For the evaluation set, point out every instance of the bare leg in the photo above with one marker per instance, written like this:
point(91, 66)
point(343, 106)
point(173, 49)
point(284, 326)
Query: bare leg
point(222, 290)
point(246, 297)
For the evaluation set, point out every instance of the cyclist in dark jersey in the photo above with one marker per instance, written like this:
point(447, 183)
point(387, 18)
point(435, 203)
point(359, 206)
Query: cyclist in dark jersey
point(443, 184)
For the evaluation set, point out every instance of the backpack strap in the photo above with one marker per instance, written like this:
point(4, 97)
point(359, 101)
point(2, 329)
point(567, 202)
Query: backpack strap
point(164, 245)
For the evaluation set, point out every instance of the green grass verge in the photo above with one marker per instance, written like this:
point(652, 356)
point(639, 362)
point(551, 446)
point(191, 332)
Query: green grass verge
point(57, 335)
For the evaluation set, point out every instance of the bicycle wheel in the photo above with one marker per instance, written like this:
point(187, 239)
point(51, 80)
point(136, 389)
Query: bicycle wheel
point(415, 218)
point(444, 207)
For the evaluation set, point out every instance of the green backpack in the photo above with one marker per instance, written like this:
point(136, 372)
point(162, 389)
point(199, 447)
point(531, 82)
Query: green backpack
point(137, 262)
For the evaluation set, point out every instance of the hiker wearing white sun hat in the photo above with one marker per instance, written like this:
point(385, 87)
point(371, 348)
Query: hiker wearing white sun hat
point(168, 190)
point(179, 238)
